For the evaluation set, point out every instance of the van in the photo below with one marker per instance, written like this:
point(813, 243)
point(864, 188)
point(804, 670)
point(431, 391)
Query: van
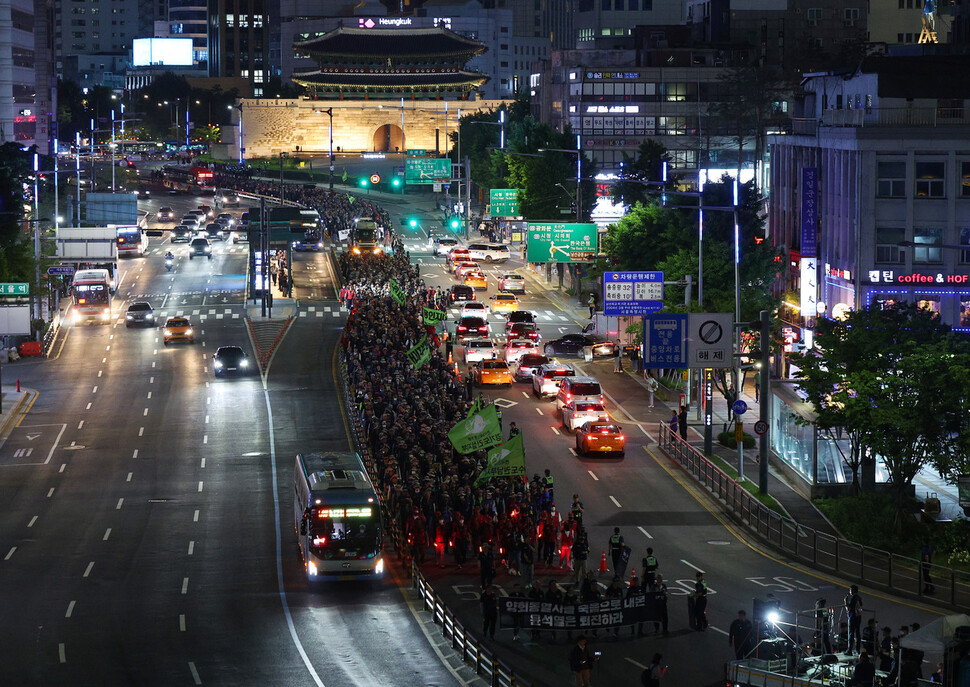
point(489, 252)
point(579, 389)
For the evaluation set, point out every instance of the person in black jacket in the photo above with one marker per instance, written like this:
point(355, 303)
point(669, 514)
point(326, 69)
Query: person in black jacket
point(865, 671)
point(580, 662)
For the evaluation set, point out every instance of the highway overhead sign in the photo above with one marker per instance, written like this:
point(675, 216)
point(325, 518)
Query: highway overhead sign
point(427, 170)
point(711, 340)
point(504, 202)
point(632, 293)
point(560, 242)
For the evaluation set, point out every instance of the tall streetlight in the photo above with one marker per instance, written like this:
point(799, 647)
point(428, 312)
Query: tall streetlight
point(242, 149)
point(578, 152)
point(283, 154)
point(329, 112)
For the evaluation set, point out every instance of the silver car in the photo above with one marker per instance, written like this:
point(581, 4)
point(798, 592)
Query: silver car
point(512, 283)
point(578, 413)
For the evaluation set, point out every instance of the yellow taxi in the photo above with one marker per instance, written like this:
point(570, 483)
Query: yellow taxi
point(456, 256)
point(476, 280)
point(504, 302)
point(178, 329)
point(602, 436)
point(492, 372)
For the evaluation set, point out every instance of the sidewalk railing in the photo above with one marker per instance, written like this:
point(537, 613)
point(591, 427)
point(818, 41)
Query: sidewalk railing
point(51, 334)
point(897, 574)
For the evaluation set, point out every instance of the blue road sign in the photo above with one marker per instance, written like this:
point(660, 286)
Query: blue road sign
point(632, 293)
point(665, 341)
point(60, 269)
point(740, 407)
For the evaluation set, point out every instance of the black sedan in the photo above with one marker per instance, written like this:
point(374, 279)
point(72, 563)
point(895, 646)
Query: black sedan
point(139, 313)
point(460, 293)
point(230, 359)
point(573, 344)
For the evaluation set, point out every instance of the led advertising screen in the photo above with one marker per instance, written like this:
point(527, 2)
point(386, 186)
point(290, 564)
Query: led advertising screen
point(169, 52)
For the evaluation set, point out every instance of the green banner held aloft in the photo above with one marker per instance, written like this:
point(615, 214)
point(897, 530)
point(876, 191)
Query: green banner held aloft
point(396, 293)
point(419, 354)
point(432, 316)
point(478, 431)
point(505, 460)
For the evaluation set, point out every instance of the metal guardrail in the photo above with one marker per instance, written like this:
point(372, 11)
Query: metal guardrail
point(900, 575)
point(472, 651)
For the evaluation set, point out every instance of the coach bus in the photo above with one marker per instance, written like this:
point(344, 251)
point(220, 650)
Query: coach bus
point(337, 517)
point(91, 291)
point(132, 241)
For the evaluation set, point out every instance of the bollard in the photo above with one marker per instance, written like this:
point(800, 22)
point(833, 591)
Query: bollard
point(18, 386)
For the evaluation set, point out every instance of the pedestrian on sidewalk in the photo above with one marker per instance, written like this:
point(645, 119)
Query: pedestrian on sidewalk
point(618, 357)
point(592, 305)
point(682, 422)
point(273, 269)
point(673, 422)
point(652, 386)
point(635, 360)
point(730, 396)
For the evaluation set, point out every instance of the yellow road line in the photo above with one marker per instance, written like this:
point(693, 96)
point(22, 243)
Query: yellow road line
point(26, 410)
point(692, 490)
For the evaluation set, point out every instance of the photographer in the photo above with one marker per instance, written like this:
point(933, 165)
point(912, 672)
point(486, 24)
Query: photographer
point(581, 662)
point(651, 676)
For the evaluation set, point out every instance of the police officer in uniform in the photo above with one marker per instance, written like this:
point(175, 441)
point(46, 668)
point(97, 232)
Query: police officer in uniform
point(549, 480)
point(660, 597)
point(576, 510)
point(650, 566)
point(700, 602)
point(616, 547)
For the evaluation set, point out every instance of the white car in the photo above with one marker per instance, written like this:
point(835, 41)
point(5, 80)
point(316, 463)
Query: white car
point(578, 413)
point(516, 348)
point(546, 380)
point(473, 309)
point(477, 350)
point(443, 245)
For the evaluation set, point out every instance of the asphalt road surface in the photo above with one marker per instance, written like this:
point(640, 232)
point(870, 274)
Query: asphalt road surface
point(141, 542)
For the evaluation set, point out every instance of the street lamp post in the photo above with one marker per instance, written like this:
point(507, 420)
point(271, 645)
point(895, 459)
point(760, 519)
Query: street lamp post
point(283, 154)
point(329, 112)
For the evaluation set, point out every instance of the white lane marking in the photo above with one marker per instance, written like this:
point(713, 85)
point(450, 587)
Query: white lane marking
point(149, 394)
point(556, 431)
point(107, 348)
point(61, 653)
point(80, 424)
point(203, 463)
point(10, 553)
point(638, 665)
point(593, 476)
point(107, 533)
point(195, 516)
point(539, 410)
point(207, 419)
point(120, 503)
point(70, 609)
point(153, 363)
point(195, 673)
point(88, 407)
point(134, 454)
point(200, 485)
point(645, 432)
point(87, 570)
point(208, 400)
point(151, 380)
point(205, 438)
point(32, 521)
point(181, 622)
point(95, 389)
point(185, 585)
point(717, 629)
point(104, 360)
point(128, 479)
point(63, 465)
point(146, 412)
point(645, 533)
point(615, 502)
point(100, 372)
point(525, 394)
point(691, 565)
point(281, 588)
point(155, 352)
point(191, 547)
point(141, 431)
point(573, 451)
point(50, 492)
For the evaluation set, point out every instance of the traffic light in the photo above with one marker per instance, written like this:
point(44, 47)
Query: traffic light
point(364, 182)
point(455, 223)
point(413, 222)
point(396, 182)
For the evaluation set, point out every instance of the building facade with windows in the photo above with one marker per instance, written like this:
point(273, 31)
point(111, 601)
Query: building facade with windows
point(889, 196)
point(239, 41)
point(27, 80)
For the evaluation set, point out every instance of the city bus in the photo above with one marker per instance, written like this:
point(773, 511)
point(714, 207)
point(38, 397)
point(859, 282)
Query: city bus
point(297, 220)
point(337, 517)
point(366, 237)
point(91, 291)
point(132, 241)
point(200, 176)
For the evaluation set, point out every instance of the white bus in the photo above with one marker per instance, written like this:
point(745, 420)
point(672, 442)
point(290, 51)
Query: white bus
point(91, 290)
point(337, 517)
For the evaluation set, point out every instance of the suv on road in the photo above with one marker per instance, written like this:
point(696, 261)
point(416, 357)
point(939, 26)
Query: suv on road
point(489, 252)
point(546, 380)
point(200, 246)
point(139, 313)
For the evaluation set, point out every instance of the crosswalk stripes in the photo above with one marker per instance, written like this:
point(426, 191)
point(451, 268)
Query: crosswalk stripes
point(312, 311)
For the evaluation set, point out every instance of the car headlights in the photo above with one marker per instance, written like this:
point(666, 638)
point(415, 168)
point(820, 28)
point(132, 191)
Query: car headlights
point(218, 364)
point(188, 332)
point(168, 332)
point(243, 363)
point(129, 316)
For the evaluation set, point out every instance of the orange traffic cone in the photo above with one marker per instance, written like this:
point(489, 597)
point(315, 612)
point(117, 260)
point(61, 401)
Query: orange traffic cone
point(450, 358)
point(603, 567)
point(633, 576)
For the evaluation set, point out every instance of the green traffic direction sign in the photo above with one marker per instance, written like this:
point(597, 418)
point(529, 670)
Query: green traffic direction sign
point(427, 170)
point(504, 202)
point(10, 289)
point(561, 242)
point(417, 152)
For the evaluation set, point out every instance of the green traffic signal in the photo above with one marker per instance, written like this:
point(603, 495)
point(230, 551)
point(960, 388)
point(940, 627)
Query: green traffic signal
point(455, 223)
point(413, 222)
point(364, 182)
point(396, 182)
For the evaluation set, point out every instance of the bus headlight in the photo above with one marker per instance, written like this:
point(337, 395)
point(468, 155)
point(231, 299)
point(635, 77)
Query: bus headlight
point(356, 250)
point(379, 568)
point(106, 315)
point(311, 568)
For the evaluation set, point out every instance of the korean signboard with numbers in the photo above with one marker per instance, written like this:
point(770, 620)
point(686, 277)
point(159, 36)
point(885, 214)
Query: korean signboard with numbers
point(560, 242)
point(427, 170)
point(665, 341)
point(632, 293)
point(504, 202)
point(711, 340)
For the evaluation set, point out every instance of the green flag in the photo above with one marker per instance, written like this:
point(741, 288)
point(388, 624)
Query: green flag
point(480, 430)
point(420, 353)
point(396, 293)
point(343, 177)
point(432, 316)
point(505, 460)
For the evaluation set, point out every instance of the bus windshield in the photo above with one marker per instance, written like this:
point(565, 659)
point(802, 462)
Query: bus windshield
point(352, 531)
point(129, 236)
point(90, 294)
point(366, 234)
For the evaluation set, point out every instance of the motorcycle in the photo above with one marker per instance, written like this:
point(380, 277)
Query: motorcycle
point(168, 263)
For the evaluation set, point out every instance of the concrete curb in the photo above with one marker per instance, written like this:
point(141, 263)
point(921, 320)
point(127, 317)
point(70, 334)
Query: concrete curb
point(12, 416)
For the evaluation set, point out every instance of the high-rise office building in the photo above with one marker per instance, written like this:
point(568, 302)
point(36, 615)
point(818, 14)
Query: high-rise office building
point(27, 94)
point(239, 40)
